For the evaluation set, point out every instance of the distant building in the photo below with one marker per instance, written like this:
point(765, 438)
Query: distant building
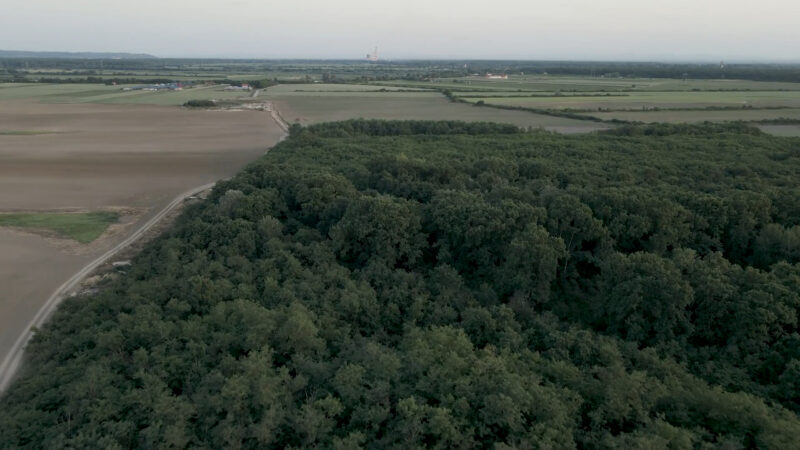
point(497, 76)
point(243, 87)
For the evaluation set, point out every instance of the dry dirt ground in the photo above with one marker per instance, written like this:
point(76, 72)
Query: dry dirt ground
point(131, 158)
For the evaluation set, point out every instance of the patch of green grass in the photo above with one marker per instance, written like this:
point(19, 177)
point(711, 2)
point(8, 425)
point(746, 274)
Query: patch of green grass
point(82, 227)
point(24, 132)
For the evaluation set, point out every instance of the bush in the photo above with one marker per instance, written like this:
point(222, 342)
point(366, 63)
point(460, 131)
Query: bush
point(200, 104)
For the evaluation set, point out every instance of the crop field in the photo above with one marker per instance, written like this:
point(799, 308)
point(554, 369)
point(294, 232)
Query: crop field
point(328, 87)
point(630, 99)
point(543, 83)
point(131, 159)
point(41, 92)
point(23, 132)
point(96, 93)
point(309, 107)
point(696, 116)
point(651, 100)
point(170, 97)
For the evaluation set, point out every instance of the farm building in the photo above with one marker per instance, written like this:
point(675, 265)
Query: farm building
point(497, 76)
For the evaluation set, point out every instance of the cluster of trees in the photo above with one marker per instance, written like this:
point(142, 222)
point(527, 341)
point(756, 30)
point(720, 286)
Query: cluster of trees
point(424, 284)
point(200, 104)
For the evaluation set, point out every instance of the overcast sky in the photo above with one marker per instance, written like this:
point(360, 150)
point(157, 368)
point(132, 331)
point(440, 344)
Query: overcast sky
point(708, 30)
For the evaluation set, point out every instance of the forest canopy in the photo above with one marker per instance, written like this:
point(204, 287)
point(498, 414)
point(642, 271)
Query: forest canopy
point(375, 284)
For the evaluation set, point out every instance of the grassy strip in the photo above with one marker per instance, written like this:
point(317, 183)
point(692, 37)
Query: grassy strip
point(24, 132)
point(561, 95)
point(702, 108)
point(778, 121)
point(82, 227)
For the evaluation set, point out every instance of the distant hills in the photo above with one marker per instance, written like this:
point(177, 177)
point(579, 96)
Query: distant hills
point(73, 55)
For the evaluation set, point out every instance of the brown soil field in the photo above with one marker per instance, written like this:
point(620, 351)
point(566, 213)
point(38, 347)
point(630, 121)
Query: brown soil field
point(30, 270)
point(307, 108)
point(131, 157)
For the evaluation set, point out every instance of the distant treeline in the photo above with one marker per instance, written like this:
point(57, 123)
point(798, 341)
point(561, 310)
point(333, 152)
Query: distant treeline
point(356, 70)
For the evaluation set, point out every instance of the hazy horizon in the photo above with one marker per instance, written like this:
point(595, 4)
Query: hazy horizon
point(621, 30)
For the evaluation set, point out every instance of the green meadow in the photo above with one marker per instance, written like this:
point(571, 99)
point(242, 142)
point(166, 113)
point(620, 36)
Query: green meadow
point(81, 227)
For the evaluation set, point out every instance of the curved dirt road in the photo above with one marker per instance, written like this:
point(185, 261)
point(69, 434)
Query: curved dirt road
point(13, 359)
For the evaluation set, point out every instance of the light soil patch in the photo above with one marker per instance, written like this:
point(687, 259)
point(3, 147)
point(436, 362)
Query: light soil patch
point(131, 158)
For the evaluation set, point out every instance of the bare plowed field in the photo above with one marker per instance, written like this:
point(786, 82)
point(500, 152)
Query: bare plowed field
point(57, 157)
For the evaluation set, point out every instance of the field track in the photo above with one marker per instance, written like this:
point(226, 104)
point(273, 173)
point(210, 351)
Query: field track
point(13, 359)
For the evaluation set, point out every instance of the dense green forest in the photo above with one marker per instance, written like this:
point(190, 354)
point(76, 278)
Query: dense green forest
point(436, 284)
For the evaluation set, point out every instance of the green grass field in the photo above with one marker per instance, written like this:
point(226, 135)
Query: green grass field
point(42, 92)
point(81, 227)
point(24, 132)
point(650, 100)
point(746, 115)
point(630, 99)
point(550, 83)
point(328, 87)
point(97, 93)
point(171, 97)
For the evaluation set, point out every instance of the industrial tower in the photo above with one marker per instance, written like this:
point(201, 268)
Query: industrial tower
point(373, 57)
